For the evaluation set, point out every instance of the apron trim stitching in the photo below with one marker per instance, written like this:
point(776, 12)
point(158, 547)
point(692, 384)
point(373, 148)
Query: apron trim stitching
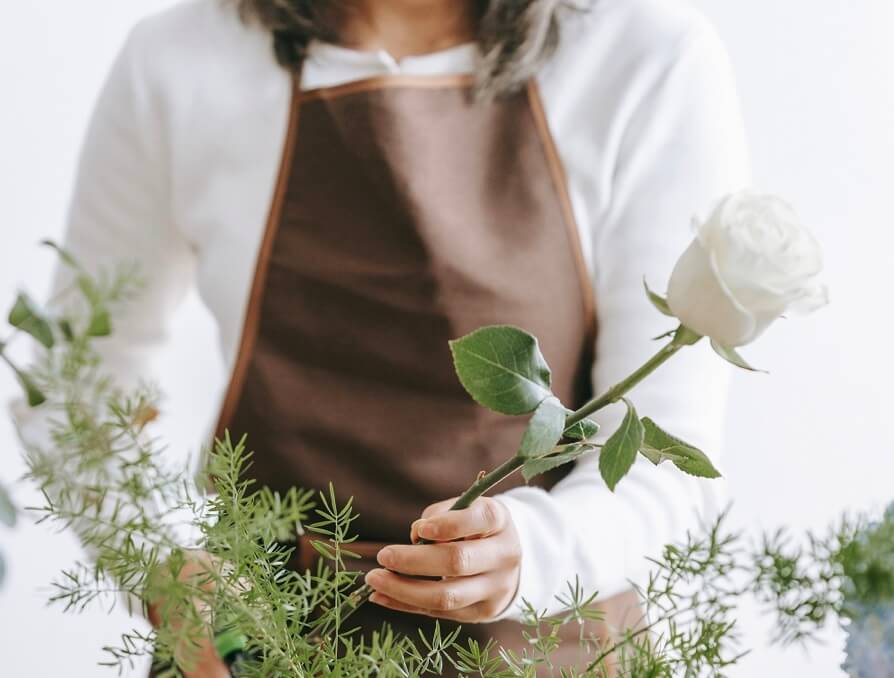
point(253, 311)
point(389, 82)
point(560, 180)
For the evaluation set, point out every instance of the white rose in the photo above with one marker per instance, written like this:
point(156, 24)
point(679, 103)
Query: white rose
point(750, 262)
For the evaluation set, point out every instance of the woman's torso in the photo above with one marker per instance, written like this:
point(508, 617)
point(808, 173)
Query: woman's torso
point(224, 105)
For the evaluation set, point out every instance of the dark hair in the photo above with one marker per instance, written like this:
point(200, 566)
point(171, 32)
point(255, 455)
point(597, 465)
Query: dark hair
point(515, 36)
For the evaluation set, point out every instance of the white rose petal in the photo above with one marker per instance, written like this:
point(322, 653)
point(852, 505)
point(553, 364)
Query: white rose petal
point(751, 262)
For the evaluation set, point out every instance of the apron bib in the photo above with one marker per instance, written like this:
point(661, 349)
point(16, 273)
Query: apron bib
point(405, 215)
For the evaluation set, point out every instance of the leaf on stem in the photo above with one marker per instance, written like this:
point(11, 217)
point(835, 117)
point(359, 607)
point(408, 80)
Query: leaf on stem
point(26, 316)
point(100, 323)
point(658, 301)
point(665, 335)
point(582, 430)
point(544, 429)
point(34, 395)
point(7, 509)
point(619, 451)
point(659, 445)
point(64, 254)
point(502, 368)
point(733, 356)
point(67, 329)
point(534, 467)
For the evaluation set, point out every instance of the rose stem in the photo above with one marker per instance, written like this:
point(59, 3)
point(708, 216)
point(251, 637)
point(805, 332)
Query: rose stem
point(682, 337)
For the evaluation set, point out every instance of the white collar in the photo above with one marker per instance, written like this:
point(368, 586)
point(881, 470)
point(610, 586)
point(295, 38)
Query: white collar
point(329, 64)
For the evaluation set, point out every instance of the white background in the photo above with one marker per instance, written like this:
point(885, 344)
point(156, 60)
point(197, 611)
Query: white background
point(815, 437)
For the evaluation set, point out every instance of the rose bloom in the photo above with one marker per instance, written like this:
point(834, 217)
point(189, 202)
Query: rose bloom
point(751, 261)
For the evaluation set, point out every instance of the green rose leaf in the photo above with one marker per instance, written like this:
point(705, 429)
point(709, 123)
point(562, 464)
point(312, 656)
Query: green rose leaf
point(659, 445)
point(534, 467)
point(7, 509)
point(26, 317)
point(582, 430)
point(732, 356)
point(502, 368)
point(619, 451)
point(544, 429)
point(658, 301)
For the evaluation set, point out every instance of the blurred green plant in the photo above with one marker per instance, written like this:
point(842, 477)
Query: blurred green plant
point(7, 518)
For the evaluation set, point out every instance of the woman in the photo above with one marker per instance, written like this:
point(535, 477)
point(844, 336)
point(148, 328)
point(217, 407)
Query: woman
point(350, 185)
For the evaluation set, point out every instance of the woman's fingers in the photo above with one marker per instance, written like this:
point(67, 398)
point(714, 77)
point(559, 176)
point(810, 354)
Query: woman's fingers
point(439, 507)
point(476, 553)
point(209, 665)
point(451, 559)
point(435, 597)
point(474, 613)
point(484, 517)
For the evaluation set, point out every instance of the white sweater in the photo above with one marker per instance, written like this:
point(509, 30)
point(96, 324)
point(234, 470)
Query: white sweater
point(180, 160)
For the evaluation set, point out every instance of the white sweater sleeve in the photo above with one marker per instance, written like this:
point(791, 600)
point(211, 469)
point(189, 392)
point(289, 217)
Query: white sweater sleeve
point(683, 147)
point(120, 214)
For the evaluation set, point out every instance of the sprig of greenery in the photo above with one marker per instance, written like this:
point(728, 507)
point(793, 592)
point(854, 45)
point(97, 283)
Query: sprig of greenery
point(206, 561)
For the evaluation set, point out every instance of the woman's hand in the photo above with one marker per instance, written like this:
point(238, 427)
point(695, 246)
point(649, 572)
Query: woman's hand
point(477, 556)
point(197, 649)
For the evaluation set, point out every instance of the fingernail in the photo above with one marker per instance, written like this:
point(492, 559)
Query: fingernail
point(385, 557)
point(414, 529)
point(427, 529)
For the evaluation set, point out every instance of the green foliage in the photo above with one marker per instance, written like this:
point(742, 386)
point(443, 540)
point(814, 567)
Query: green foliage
point(561, 455)
point(100, 324)
point(732, 356)
point(582, 430)
point(7, 509)
point(104, 474)
point(544, 429)
point(93, 291)
point(33, 394)
point(689, 603)
point(659, 446)
point(8, 518)
point(26, 317)
point(105, 478)
point(619, 451)
point(64, 255)
point(658, 301)
point(839, 574)
point(867, 562)
point(502, 368)
point(219, 562)
point(78, 318)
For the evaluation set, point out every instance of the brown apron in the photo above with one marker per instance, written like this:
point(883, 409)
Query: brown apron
point(405, 215)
